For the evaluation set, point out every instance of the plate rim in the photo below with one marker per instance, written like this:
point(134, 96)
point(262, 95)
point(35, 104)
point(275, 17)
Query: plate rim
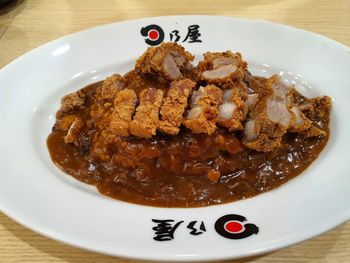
point(196, 258)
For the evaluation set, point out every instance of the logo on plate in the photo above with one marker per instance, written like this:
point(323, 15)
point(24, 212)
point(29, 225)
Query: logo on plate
point(154, 34)
point(234, 227)
point(230, 226)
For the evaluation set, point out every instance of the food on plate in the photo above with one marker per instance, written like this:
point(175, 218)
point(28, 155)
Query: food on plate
point(173, 134)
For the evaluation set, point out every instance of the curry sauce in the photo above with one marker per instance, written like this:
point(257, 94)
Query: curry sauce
point(170, 171)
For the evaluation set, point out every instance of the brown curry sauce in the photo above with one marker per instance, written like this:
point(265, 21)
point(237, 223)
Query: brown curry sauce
point(171, 171)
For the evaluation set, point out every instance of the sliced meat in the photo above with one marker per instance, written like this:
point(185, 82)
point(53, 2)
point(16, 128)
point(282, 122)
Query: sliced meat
point(280, 109)
point(300, 121)
point(74, 131)
point(110, 88)
point(146, 119)
point(315, 109)
point(103, 107)
point(174, 106)
point(221, 67)
point(220, 74)
point(73, 101)
point(233, 110)
point(254, 83)
point(203, 115)
point(167, 62)
point(272, 116)
point(252, 100)
point(124, 107)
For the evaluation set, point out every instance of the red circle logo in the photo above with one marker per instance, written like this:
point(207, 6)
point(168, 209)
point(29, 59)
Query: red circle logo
point(153, 34)
point(233, 227)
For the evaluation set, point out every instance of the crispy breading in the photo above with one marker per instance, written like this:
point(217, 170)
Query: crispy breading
point(165, 62)
point(64, 123)
point(202, 116)
point(314, 131)
point(254, 83)
point(105, 94)
point(73, 101)
point(234, 109)
point(319, 107)
point(263, 136)
point(278, 112)
point(221, 68)
point(74, 131)
point(110, 88)
point(174, 106)
point(232, 91)
point(270, 118)
point(146, 118)
point(316, 109)
point(124, 107)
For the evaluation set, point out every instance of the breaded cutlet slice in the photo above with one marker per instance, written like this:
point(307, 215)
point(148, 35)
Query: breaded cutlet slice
point(124, 108)
point(146, 118)
point(174, 106)
point(203, 115)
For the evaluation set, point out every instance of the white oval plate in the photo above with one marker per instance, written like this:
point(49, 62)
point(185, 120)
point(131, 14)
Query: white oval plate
point(34, 192)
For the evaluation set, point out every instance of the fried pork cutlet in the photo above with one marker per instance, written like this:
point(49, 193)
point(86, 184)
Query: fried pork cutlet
point(146, 119)
point(124, 107)
point(203, 115)
point(167, 62)
point(174, 106)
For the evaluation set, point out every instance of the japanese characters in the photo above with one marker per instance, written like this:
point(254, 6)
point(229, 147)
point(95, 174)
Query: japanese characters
point(154, 35)
point(231, 226)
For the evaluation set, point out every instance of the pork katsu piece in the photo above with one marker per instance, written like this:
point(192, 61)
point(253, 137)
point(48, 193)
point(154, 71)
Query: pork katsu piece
point(174, 106)
point(270, 118)
point(221, 67)
point(73, 125)
point(203, 113)
point(315, 109)
point(110, 88)
point(273, 115)
point(229, 97)
point(146, 119)
point(167, 62)
point(234, 109)
point(124, 107)
point(64, 123)
point(74, 131)
point(72, 101)
point(254, 83)
point(103, 105)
